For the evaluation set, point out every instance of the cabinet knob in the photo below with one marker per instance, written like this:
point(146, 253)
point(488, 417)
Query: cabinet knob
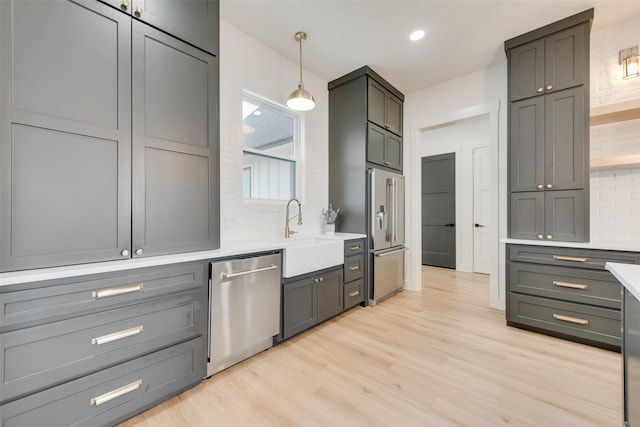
point(321, 279)
point(549, 186)
point(540, 186)
point(540, 236)
point(387, 163)
point(138, 10)
point(549, 237)
point(139, 251)
point(125, 252)
point(540, 90)
point(549, 87)
point(125, 4)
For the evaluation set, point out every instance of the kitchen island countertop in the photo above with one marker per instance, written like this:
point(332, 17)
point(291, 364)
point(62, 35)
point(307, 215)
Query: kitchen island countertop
point(628, 275)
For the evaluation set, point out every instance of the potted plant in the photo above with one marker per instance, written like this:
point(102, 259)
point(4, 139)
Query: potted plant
point(329, 219)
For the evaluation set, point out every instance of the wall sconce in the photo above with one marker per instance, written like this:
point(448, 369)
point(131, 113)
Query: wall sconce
point(629, 60)
point(300, 99)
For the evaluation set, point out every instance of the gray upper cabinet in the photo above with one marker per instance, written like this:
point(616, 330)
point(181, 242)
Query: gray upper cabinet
point(65, 145)
point(175, 196)
point(553, 63)
point(76, 84)
point(384, 148)
point(549, 131)
point(548, 143)
point(384, 108)
point(192, 21)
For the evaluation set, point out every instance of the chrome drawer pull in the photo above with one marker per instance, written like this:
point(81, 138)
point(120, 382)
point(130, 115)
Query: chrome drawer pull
point(116, 291)
point(227, 276)
point(354, 268)
point(570, 258)
point(104, 398)
point(117, 335)
point(354, 248)
point(571, 319)
point(354, 293)
point(570, 285)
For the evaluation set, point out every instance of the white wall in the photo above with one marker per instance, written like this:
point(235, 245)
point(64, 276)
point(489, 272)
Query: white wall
point(460, 137)
point(614, 193)
point(479, 94)
point(247, 64)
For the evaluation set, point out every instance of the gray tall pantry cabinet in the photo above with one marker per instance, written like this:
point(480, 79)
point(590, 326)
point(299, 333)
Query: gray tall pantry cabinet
point(109, 131)
point(365, 131)
point(549, 131)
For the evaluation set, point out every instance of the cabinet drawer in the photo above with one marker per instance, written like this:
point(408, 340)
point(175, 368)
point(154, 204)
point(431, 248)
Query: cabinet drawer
point(353, 247)
point(353, 293)
point(42, 356)
point(63, 298)
point(570, 257)
point(569, 284)
point(114, 394)
point(353, 268)
point(599, 325)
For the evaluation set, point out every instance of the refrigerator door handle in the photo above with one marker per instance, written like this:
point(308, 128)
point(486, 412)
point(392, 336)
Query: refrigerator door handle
point(387, 253)
point(394, 235)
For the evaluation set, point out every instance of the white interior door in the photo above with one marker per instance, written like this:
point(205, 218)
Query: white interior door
point(481, 210)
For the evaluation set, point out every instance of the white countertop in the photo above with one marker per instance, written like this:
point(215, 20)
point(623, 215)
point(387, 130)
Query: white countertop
point(25, 276)
point(609, 246)
point(628, 275)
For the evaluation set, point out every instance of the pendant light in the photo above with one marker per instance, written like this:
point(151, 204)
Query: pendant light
point(300, 99)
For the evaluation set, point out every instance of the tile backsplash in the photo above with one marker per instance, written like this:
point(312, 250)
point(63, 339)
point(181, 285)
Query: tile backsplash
point(615, 192)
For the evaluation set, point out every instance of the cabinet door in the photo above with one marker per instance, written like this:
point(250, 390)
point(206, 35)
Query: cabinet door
point(376, 144)
point(193, 21)
point(394, 115)
point(393, 152)
point(526, 145)
point(566, 142)
point(298, 307)
point(526, 65)
point(527, 215)
point(65, 133)
point(565, 216)
point(329, 295)
point(376, 104)
point(175, 151)
point(565, 58)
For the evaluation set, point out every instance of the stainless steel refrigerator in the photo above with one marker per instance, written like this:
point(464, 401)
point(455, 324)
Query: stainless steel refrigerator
point(387, 233)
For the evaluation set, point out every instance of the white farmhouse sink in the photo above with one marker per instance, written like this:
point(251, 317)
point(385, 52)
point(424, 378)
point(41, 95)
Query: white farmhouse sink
point(307, 254)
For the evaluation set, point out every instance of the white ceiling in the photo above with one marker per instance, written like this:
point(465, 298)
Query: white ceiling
point(461, 36)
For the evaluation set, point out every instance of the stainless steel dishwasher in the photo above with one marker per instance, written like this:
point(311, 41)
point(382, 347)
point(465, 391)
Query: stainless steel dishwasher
point(244, 304)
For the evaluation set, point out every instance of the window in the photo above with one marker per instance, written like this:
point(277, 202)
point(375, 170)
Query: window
point(270, 150)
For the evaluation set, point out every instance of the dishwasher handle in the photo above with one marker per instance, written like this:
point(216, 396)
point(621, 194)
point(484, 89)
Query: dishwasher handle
point(227, 276)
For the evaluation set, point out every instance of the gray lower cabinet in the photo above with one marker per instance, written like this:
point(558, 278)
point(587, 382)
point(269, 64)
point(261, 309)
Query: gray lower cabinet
point(108, 137)
point(193, 21)
point(566, 292)
point(311, 299)
point(72, 347)
point(114, 394)
point(353, 272)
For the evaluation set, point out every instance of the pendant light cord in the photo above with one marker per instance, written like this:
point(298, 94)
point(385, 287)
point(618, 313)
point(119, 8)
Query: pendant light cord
point(301, 61)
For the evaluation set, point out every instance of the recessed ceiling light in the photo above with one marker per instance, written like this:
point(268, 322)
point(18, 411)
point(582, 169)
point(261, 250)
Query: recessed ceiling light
point(416, 35)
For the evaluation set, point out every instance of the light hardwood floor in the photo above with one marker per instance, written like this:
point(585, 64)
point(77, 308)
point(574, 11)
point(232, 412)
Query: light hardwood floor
point(439, 357)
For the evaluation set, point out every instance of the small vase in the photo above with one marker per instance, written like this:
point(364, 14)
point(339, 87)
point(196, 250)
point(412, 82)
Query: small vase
point(329, 228)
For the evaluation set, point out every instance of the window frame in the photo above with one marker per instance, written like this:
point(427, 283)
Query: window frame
point(295, 160)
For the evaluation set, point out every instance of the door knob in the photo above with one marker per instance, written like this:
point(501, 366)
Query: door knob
point(450, 225)
point(549, 87)
point(139, 251)
point(549, 237)
point(540, 186)
point(124, 253)
point(540, 90)
point(549, 185)
point(478, 225)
